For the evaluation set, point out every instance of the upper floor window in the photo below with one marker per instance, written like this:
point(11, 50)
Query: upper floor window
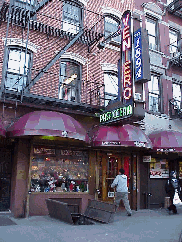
point(111, 87)
point(151, 26)
point(72, 18)
point(18, 69)
point(154, 93)
point(69, 81)
point(111, 26)
point(177, 95)
point(31, 2)
point(173, 40)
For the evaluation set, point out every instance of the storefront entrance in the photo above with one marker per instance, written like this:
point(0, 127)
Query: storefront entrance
point(5, 179)
point(109, 167)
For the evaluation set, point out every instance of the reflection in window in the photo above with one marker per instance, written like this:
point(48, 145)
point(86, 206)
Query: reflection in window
point(177, 95)
point(64, 171)
point(151, 27)
point(17, 69)
point(173, 39)
point(69, 81)
point(111, 87)
point(154, 94)
point(71, 18)
point(111, 26)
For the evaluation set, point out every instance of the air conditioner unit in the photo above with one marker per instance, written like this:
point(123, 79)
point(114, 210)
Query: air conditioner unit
point(138, 96)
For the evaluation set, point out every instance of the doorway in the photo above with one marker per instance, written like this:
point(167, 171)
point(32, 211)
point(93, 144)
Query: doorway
point(109, 169)
point(5, 179)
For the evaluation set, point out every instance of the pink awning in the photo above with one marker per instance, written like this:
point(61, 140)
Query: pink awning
point(166, 140)
point(126, 135)
point(47, 123)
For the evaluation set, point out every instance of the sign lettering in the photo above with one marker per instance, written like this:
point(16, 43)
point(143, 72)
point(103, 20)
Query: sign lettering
point(127, 82)
point(116, 114)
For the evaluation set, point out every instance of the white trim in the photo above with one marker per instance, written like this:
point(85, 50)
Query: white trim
point(73, 56)
point(19, 42)
point(109, 46)
point(84, 2)
point(112, 11)
point(109, 67)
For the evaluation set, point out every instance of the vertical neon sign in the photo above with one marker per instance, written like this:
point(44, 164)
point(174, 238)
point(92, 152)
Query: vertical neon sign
point(126, 53)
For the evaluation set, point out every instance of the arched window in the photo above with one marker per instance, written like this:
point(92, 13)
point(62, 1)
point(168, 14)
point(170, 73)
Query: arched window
point(111, 25)
point(18, 68)
point(111, 87)
point(72, 17)
point(69, 81)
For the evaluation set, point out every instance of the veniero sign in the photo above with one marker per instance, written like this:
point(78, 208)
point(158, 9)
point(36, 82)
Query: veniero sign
point(116, 114)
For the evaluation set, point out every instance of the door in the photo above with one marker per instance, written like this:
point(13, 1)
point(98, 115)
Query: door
point(5, 179)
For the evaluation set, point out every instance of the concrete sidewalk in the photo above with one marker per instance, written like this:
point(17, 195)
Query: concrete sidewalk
point(142, 226)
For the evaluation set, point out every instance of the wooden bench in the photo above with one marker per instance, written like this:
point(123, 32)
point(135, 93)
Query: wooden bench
point(96, 211)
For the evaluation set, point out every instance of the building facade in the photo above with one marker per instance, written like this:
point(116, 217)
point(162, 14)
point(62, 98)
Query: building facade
point(75, 108)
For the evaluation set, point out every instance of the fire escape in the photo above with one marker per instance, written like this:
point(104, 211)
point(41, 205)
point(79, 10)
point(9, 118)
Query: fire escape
point(25, 18)
point(175, 8)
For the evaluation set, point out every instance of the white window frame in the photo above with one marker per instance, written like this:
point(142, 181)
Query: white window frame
point(154, 46)
point(70, 23)
point(67, 90)
point(154, 93)
point(17, 68)
point(177, 88)
point(112, 20)
point(111, 86)
point(173, 43)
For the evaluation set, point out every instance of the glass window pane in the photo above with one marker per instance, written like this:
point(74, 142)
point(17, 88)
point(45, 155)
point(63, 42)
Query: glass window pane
point(150, 26)
point(111, 26)
point(173, 38)
point(177, 95)
point(71, 18)
point(61, 171)
point(17, 69)
point(69, 79)
point(111, 87)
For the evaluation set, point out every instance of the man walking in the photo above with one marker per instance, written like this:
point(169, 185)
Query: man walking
point(120, 182)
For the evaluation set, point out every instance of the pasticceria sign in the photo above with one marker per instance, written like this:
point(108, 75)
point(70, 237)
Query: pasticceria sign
point(116, 114)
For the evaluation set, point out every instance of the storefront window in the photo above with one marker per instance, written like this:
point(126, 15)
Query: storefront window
point(59, 170)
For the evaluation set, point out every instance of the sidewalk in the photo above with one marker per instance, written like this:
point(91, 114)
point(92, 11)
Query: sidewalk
point(142, 226)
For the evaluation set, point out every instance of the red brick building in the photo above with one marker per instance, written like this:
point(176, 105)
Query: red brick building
point(61, 69)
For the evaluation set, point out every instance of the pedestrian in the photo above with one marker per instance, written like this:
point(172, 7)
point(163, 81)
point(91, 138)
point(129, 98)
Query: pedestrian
point(171, 185)
point(120, 182)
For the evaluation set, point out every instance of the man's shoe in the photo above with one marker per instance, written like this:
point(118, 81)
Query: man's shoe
point(129, 214)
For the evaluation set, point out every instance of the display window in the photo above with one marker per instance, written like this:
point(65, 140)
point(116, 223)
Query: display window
point(159, 168)
point(59, 170)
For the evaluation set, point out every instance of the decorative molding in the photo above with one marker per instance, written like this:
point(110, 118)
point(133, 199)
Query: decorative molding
point(112, 11)
point(84, 2)
point(19, 42)
point(109, 67)
point(109, 46)
point(177, 27)
point(153, 10)
point(76, 57)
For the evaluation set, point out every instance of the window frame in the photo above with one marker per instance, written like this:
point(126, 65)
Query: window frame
point(6, 61)
point(177, 102)
point(77, 86)
point(73, 4)
point(113, 40)
point(177, 32)
point(110, 94)
point(156, 36)
point(153, 93)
